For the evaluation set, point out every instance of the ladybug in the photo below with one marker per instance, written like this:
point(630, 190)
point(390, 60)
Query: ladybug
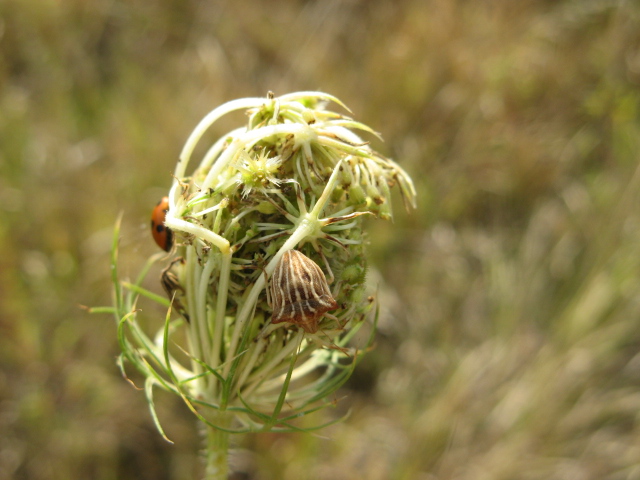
point(161, 234)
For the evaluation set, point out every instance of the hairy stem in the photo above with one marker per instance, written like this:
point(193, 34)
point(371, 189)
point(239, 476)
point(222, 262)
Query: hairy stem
point(217, 448)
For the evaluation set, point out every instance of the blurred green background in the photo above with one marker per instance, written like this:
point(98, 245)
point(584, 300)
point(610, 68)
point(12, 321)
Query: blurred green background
point(510, 334)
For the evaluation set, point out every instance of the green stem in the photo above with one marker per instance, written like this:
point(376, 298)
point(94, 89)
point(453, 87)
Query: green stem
point(217, 448)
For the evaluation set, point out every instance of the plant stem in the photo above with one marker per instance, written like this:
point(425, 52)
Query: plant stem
point(217, 448)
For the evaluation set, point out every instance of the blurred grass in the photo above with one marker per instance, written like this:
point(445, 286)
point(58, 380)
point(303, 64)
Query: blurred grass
point(509, 344)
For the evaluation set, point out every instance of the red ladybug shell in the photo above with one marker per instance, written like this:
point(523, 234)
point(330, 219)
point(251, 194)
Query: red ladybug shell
point(161, 234)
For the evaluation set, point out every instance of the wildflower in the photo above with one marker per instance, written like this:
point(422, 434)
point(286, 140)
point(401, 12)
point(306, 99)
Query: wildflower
point(295, 178)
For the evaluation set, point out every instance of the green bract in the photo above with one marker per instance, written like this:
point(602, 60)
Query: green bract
point(295, 177)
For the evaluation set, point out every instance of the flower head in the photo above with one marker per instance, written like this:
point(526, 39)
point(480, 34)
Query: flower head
point(298, 179)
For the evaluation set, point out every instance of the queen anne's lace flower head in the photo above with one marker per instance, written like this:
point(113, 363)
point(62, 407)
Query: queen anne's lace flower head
point(296, 177)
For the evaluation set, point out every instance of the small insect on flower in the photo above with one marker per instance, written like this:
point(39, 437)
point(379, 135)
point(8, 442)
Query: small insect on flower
point(171, 285)
point(299, 292)
point(161, 234)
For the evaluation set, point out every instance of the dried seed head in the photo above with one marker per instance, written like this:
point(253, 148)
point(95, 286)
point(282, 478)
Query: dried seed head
point(299, 292)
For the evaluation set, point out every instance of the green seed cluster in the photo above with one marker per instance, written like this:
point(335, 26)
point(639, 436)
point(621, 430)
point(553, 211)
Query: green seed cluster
point(296, 176)
point(273, 178)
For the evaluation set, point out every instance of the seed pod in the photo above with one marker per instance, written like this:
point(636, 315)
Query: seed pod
point(299, 292)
